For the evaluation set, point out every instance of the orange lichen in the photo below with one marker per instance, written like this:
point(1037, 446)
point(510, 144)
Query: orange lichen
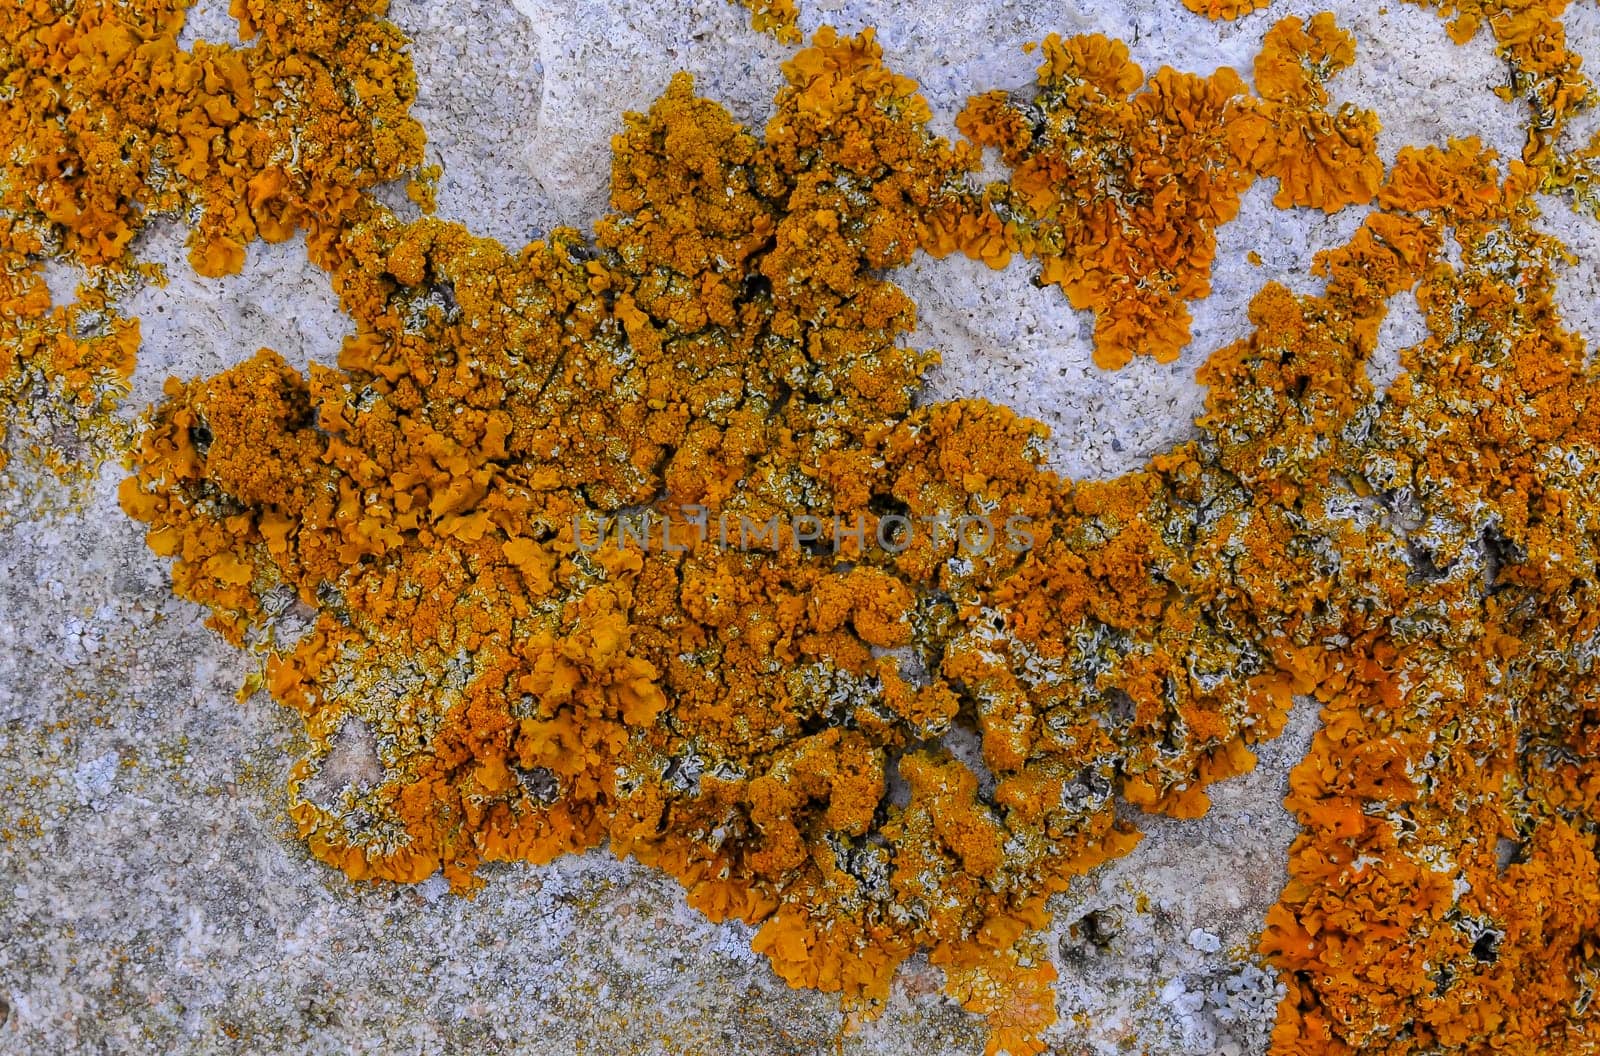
point(62, 370)
point(762, 721)
point(547, 509)
point(1443, 895)
point(111, 123)
point(1531, 37)
point(1119, 195)
point(1226, 10)
point(116, 123)
point(1323, 160)
point(1014, 997)
point(781, 18)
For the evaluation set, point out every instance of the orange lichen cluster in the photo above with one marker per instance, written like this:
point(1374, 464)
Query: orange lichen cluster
point(1226, 10)
point(781, 18)
point(1322, 159)
point(62, 371)
point(1445, 895)
point(1548, 77)
point(877, 736)
point(1118, 191)
point(1118, 195)
point(114, 123)
point(772, 724)
point(108, 123)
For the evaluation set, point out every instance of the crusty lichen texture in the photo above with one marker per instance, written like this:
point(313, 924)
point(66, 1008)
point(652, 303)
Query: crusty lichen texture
point(776, 721)
point(781, 18)
point(1119, 183)
point(107, 123)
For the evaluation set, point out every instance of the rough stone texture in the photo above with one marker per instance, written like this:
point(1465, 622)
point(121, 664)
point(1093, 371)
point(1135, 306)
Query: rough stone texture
point(194, 326)
point(152, 898)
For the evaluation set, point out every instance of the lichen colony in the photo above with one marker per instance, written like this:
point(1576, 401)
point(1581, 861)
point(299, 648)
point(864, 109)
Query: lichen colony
point(772, 723)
